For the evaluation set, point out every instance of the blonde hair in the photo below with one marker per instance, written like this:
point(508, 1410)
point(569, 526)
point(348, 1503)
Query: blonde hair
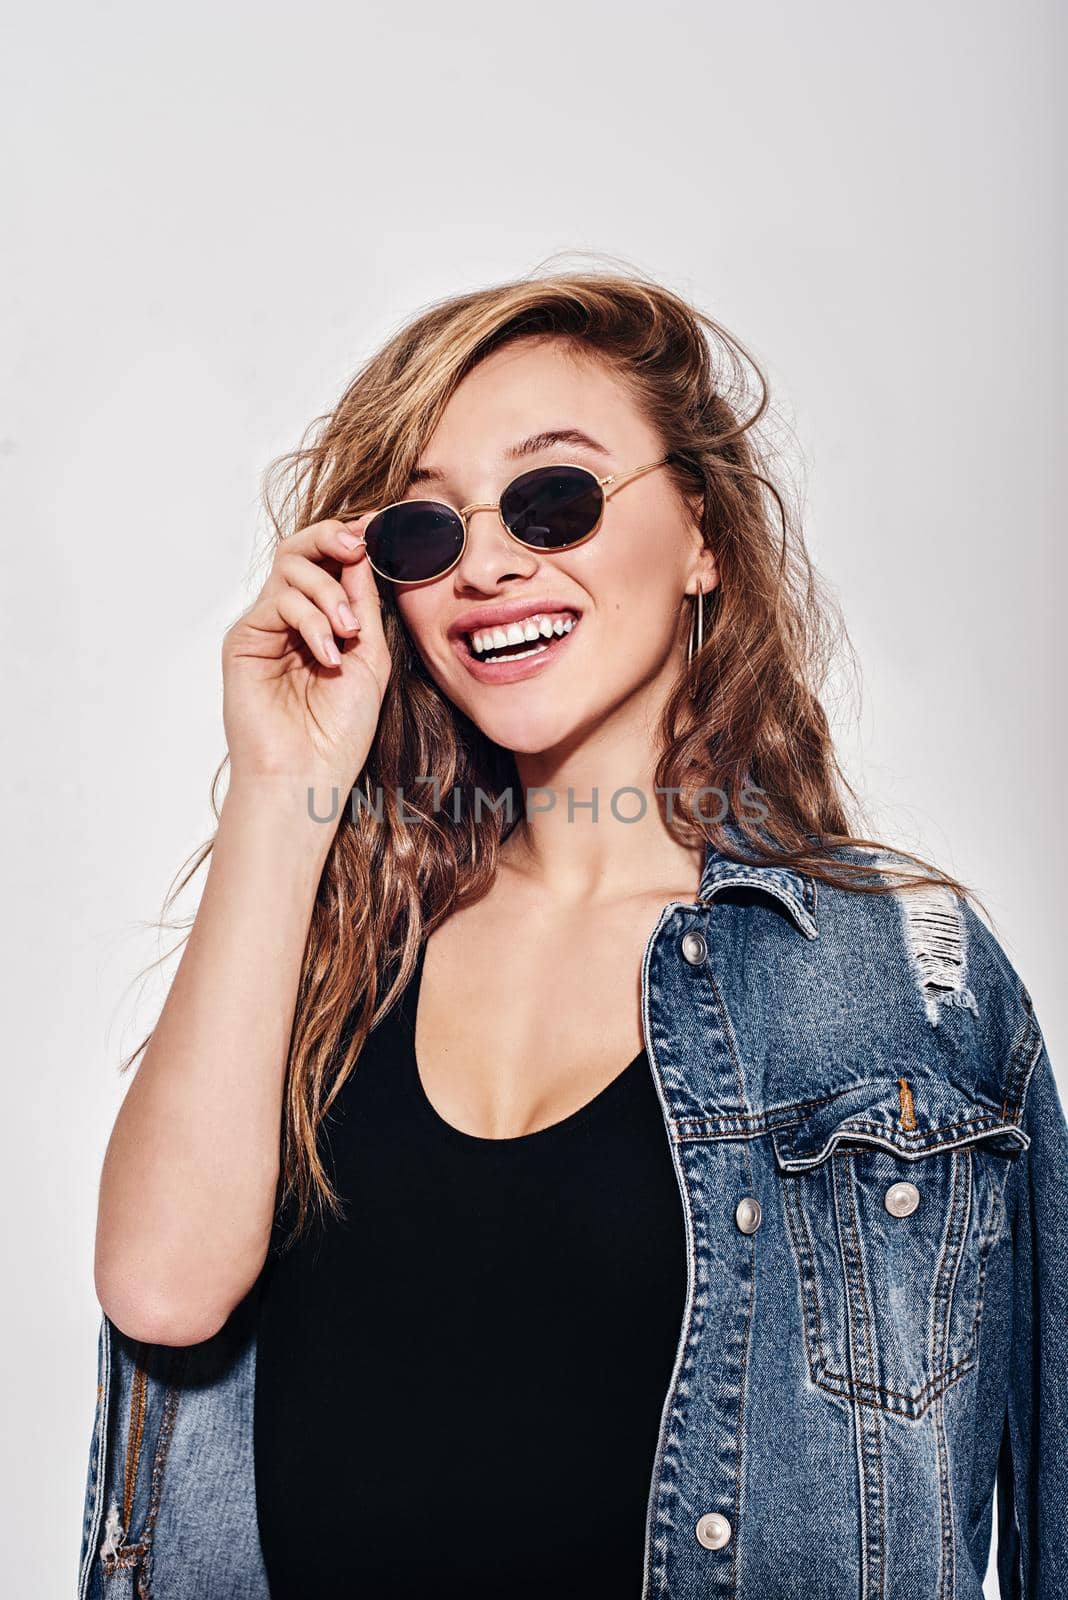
point(753, 718)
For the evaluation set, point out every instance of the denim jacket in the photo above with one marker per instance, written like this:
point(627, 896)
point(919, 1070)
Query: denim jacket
point(873, 1163)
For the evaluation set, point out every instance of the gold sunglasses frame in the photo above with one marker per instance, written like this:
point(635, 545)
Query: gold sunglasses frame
point(615, 479)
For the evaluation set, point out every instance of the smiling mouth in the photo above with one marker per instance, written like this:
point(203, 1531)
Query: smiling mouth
point(514, 640)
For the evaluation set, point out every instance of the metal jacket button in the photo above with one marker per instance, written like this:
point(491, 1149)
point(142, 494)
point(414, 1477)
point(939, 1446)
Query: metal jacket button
point(748, 1214)
point(713, 1531)
point(901, 1199)
point(694, 948)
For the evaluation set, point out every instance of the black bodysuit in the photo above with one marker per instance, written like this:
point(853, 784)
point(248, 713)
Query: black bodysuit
point(459, 1387)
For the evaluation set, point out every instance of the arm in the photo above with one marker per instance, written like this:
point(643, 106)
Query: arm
point(189, 1182)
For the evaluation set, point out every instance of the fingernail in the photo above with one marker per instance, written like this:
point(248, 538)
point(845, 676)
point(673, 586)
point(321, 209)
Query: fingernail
point(346, 614)
point(351, 540)
point(332, 653)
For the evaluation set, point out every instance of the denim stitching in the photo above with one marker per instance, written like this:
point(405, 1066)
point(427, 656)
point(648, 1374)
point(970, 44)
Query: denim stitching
point(138, 1400)
point(949, 1254)
point(873, 1499)
point(804, 1252)
point(750, 1247)
point(907, 1119)
point(864, 1390)
point(166, 1431)
point(947, 1575)
point(1021, 1065)
point(760, 1122)
point(879, 1134)
point(98, 1460)
point(133, 1553)
point(965, 1160)
point(667, 1489)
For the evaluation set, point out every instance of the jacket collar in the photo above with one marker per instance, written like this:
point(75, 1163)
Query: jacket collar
point(794, 890)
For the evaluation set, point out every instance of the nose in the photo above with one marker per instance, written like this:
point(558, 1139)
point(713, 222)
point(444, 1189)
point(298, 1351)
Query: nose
point(491, 554)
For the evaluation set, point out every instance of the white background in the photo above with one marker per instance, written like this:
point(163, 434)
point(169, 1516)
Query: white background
point(214, 214)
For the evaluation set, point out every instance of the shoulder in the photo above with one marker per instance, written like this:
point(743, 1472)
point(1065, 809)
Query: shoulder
point(929, 953)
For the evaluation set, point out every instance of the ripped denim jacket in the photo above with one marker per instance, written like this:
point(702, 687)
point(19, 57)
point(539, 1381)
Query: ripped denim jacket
point(873, 1161)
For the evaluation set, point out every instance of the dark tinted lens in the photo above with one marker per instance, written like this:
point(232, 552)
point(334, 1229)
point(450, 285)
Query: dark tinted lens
point(552, 507)
point(415, 540)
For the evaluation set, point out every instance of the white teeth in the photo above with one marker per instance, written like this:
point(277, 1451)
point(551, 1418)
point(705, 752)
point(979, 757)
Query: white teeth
point(528, 630)
point(520, 654)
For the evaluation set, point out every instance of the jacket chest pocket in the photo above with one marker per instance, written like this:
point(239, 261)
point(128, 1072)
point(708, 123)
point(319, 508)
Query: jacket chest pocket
point(892, 1205)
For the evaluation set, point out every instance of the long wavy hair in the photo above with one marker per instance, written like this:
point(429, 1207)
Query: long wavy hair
point(746, 712)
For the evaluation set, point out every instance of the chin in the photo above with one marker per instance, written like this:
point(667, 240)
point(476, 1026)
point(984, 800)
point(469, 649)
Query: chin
point(529, 734)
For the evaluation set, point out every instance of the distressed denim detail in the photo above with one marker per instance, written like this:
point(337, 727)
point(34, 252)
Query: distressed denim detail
point(936, 937)
point(850, 1382)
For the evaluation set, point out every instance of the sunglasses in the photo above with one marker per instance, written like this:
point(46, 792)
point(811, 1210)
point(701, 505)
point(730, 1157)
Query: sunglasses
point(549, 508)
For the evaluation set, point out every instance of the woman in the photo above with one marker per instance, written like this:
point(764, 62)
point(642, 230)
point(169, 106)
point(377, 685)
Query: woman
point(569, 1160)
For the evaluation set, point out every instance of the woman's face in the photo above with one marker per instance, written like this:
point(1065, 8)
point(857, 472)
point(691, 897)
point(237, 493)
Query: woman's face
point(624, 587)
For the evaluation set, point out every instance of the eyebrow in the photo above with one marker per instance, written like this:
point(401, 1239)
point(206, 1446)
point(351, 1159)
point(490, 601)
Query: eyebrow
point(531, 446)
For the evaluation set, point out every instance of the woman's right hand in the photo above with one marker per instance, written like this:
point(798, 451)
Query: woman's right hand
point(294, 706)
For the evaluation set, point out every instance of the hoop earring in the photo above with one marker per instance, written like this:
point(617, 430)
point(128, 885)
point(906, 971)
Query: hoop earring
point(697, 632)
